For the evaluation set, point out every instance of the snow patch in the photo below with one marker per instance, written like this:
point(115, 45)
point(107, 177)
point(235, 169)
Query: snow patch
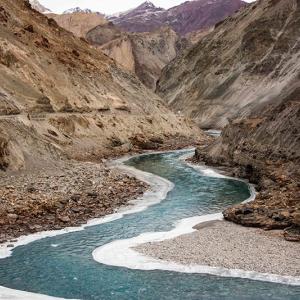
point(10, 294)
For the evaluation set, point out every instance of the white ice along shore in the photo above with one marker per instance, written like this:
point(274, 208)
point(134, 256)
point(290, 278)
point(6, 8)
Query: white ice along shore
point(10, 294)
point(159, 190)
point(120, 253)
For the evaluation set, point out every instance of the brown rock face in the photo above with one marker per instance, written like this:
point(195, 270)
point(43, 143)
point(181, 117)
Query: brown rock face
point(65, 98)
point(184, 18)
point(145, 54)
point(102, 34)
point(249, 61)
point(80, 23)
point(265, 149)
point(262, 144)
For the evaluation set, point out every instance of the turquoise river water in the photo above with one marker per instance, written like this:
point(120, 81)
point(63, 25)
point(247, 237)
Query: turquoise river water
point(63, 266)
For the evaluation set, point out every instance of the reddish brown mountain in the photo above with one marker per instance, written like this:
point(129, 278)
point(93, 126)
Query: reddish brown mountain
point(184, 18)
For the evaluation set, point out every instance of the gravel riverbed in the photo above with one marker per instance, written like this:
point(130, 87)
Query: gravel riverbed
point(61, 195)
point(225, 244)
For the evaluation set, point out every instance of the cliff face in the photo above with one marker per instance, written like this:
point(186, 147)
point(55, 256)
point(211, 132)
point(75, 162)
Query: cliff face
point(145, 54)
point(80, 23)
point(61, 97)
point(265, 148)
point(184, 18)
point(104, 33)
point(250, 60)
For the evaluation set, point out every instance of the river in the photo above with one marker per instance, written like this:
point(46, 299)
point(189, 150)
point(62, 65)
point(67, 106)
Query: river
point(63, 265)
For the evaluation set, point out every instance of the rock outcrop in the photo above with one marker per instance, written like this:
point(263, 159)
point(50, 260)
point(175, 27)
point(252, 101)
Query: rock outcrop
point(145, 54)
point(103, 34)
point(63, 98)
point(184, 18)
point(249, 61)
point(80, 22)
point(265, 148)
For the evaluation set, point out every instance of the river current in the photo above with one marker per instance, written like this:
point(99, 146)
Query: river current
point(63, 266)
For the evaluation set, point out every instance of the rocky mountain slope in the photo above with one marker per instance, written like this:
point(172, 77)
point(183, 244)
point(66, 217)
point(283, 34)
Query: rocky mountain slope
point(265, 148)
point(250, 60)
point(184, 18)
point(60, 97)
point(80, 22)
point(264, 145)
point(195, 36)
point(103, 34)
point(145, 54)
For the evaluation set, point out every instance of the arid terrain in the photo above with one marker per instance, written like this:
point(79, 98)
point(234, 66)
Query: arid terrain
point(66, 106)
point(145, 39)
point(261, 106)
point(63, 100)
point(144, 54)
point(249, 61)
point(60, 195)
point(60, 96)
point(264, 148)
point(80, 23)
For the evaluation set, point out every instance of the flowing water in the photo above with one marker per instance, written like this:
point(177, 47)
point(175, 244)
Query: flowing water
point(63, 266)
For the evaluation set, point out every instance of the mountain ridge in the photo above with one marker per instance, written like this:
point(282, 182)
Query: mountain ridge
point(183, 18)
point(78, 10)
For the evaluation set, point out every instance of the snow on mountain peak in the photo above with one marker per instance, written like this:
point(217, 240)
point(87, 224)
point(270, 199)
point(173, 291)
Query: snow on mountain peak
point(77, 10)
point(39, 7)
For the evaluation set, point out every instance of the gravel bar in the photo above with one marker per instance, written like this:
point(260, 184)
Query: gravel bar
point(225, 244)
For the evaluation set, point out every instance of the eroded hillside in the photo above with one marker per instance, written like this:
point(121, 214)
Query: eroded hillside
point(80, 23)
point(145, 54)
point(262, 144)
point(265, 148)
point(250, 60)
point(61, 97)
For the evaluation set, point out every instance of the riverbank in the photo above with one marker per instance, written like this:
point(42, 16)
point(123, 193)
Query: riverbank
point(227, 245)
point(68, 193)
point(276, 206)
point(265, 149)
point(64, 195)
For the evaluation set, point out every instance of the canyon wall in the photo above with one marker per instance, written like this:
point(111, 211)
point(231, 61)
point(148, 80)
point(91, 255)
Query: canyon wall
point(62, 98)
point(250, 60)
